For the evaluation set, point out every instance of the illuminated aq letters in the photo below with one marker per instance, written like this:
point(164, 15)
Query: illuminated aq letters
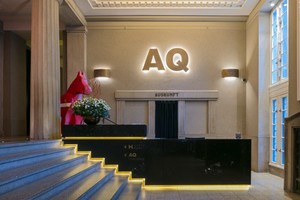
point(177, 59)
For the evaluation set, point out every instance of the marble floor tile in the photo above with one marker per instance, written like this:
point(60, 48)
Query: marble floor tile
point(264, 187)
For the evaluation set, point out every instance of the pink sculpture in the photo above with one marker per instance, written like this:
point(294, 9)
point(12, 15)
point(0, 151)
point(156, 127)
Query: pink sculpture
point(78, 87)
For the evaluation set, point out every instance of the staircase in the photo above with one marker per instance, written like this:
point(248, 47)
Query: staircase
point(47, 170)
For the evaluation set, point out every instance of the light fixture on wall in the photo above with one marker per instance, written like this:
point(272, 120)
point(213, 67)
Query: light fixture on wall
point(102, 73)
point(230, 73)
point(272, 3)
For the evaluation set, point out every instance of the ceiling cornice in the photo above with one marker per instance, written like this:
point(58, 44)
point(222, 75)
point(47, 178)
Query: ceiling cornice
point(104, 4)
point(166, 18)
point(98, 8)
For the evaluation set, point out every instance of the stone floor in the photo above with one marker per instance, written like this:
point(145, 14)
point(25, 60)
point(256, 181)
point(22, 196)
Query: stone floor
point(264, 187)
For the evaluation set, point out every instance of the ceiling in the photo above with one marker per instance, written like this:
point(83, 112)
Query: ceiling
point(15, 7)
point(97, 8)
point(92, 8)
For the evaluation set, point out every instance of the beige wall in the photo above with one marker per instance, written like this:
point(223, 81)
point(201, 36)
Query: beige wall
point(252, 87)
point(211, 46)
point(14, 94)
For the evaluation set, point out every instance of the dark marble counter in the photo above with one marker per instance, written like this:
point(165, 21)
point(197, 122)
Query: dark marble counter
point(176, 161)
point(104, 130)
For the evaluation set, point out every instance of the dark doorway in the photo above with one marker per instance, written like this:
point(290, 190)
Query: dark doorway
point(166, 119)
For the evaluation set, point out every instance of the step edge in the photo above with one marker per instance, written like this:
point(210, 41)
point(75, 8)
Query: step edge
point(90, 192)
point(31, 156)
point(29, 143)
point(58, 166)
point(46, 194)
point(119, 191)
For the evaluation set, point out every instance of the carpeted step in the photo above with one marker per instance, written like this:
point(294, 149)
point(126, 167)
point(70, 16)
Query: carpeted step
point(11, 148)
point(84, 188)
point(51, 185)
point(132, 191)
point(17, 177)
point(19, 159)
point(111, 190)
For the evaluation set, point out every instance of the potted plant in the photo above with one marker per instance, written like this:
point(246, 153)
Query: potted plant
point(91, 109)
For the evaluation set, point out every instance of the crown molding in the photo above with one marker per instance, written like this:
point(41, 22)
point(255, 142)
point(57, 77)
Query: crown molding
point(102, 4)
point(166, 18)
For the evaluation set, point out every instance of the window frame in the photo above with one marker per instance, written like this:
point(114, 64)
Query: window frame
point(280, 71)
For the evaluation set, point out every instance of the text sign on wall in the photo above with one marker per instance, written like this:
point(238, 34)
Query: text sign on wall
point(167, 94)
point(177, 59)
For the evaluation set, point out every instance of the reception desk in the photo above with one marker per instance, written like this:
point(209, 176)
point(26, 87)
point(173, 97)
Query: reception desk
point(111, 130)
point(174, 161)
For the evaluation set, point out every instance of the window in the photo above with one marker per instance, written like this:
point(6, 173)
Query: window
point(278, 113)
point(279, 54)
point(279, 82)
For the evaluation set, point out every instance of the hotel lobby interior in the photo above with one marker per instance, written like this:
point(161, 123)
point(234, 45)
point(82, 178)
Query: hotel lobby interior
point(203, 98)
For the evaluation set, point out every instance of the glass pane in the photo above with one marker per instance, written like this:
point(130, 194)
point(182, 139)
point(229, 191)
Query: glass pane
point(284, 58)
point(284, 21)
point(284, 104)
point(274, 143)
point(284, 6)
point(274, 105)
point(274, 64)
point(284, 33)
point(284, 47)
point(274, 118)
point(274, 77)
point(274, 114)
point(282, 151)
point(274, 41)
point(274, 52)
point(274, 34)
point(284, 73)
point(274, 131)
point(274, 17)
point(274, 156)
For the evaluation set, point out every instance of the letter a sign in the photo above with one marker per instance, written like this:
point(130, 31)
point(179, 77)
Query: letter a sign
point(177, 59)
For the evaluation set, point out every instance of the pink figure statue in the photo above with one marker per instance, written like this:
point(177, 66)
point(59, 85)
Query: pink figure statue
point(78, 87)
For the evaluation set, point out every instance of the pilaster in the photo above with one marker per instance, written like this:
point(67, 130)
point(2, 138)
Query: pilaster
point(76, 48)
point(45, 70)
point(1, 78)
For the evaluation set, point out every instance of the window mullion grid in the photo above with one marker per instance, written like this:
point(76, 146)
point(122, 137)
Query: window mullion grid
point(279, 47)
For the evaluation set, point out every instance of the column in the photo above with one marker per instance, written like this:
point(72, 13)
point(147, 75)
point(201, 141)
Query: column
point(1, 79)
point(45, 70)
point(76, 48)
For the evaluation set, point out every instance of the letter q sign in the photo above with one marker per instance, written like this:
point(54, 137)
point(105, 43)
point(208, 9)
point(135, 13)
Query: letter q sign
point(177, 59)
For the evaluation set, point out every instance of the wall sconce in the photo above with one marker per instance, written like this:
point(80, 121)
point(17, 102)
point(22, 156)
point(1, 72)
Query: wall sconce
point(101, 73)
point(230, 73)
